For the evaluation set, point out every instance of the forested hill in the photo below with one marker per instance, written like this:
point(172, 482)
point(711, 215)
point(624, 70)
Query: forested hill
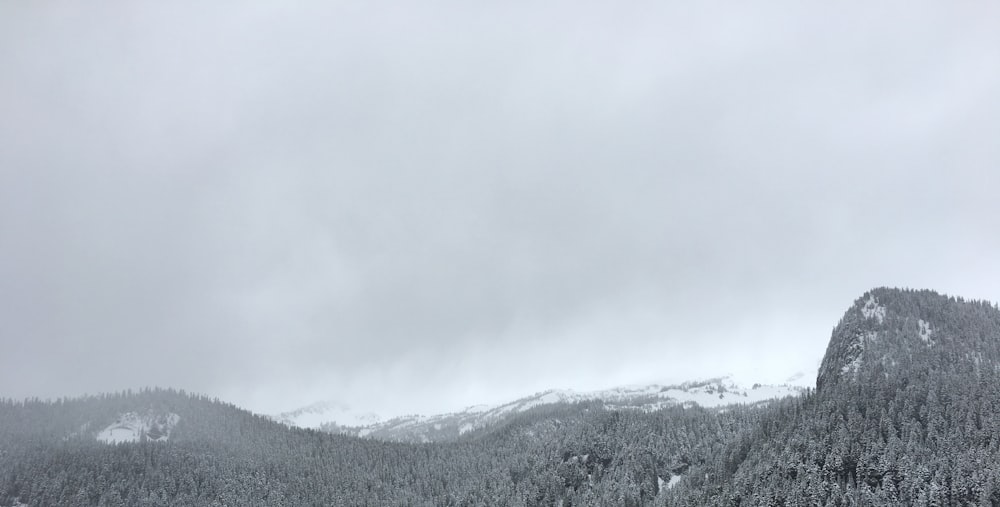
point(214, 454)
point(907, 412)
point(149, 415)
point(892, 332)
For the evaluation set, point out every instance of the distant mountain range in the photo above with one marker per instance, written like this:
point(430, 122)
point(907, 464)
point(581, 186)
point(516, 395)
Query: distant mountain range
point(712, 393)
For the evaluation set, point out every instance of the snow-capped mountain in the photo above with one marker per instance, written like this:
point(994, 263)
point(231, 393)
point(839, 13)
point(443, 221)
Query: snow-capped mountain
point(326, 413)
point(712, 393)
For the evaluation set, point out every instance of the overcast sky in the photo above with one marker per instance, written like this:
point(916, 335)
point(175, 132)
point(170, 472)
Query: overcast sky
point(418, 206)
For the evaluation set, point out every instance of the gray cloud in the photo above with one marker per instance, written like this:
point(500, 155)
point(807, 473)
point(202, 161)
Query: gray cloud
point(418, 207)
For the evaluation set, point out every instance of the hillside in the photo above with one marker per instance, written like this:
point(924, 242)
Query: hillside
point(906, 412)
point(216, 454)
point(894, 332)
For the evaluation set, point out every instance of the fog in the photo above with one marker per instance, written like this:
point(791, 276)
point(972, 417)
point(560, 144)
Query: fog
point(414, 207)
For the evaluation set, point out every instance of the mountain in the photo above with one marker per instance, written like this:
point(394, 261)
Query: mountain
point(891, 332)
point(52, 454)
point(712, 393)
point(146, 416)
point(906, 412)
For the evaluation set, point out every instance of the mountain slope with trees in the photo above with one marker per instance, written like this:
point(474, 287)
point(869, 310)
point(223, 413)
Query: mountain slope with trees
point(906, 412)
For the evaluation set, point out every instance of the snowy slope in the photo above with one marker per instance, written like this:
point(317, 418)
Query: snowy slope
point(133, 427)
point(711, 393)
point(325, 413)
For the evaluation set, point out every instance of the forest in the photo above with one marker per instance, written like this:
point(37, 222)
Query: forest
point(906, 412)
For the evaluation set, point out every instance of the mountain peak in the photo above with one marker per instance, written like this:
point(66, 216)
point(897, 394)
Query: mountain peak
point(889, 328)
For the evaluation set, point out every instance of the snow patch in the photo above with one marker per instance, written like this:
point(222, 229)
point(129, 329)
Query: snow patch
point(722, 392)
point(925, 332)
point(674, 479)
point(133, 427)
point(667, 484)
point(326, 413)
point(873, 310)
point(546, 398)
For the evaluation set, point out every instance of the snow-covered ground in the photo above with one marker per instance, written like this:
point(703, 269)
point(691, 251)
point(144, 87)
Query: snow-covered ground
point(669, 483)
point(926, 332)
point(132, 427)
point(873, 310)
point(327, 412)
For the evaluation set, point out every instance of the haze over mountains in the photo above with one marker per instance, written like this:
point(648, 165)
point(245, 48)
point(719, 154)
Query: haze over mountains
point(495, 253)
point(712, 393)
point(906, 412)
point(399, 205)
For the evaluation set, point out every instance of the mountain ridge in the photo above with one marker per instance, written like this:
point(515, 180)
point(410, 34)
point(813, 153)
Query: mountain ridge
point(709, 393)
point(906, 412)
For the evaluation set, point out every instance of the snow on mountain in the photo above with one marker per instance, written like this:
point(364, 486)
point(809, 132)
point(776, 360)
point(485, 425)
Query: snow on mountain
point(873, 309)
point(669, 483)
point(133, 427)
point(325, 413)
point(887, 330)
point(711, 393)
point(926, 332)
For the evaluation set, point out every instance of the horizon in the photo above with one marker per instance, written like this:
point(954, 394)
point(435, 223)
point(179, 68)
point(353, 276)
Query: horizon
point(805, 377)
point(797, 379)
point(418, 207)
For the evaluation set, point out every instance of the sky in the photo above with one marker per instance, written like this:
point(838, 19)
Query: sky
point(419, 206)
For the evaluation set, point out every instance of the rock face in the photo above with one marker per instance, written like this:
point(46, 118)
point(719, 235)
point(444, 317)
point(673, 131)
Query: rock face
point(889, 331)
